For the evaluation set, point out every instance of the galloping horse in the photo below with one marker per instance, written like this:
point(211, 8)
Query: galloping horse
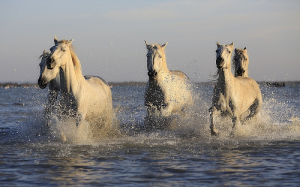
point(233, 96)
point(167, 91)
point(83, 99)
point(54, 84)
point(240, 62)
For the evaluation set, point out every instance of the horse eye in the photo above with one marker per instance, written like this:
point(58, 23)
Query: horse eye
point(160, 56)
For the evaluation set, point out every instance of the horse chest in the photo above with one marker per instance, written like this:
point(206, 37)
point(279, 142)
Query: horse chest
point(154, 96)
point(68, 105)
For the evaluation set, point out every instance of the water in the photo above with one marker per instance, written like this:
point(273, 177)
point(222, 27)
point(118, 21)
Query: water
point(265, 152)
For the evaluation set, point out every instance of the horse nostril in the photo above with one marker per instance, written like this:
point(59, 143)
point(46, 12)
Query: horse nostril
point(219, 61)
point(41, 83)
point(152, 74)
point(240, 72)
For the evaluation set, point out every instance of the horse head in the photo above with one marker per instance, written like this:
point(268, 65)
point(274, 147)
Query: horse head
point(223, 55)
point(46, 74)
point(241, 62)
point(155, 59)
point(60, 53)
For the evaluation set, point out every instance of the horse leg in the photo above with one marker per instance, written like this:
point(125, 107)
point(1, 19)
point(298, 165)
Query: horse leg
point(165, 112)
point(213, 131)
point(236, 123)
point(149, 118)
point(254, 109)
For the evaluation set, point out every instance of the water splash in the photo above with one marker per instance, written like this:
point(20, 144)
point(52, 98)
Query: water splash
point(278, 120)
point(272, 123)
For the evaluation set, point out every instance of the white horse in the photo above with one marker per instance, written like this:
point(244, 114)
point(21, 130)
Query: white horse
point(54, 85)
point(233, 96)
point(82, 98)
point(240, 62)
point(167, 92)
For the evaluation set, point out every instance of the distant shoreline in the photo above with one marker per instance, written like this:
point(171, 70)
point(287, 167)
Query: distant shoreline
point(132, 83)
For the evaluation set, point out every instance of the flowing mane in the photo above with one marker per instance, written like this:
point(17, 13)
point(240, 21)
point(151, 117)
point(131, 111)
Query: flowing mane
point(215, 77)
point(44, 55)
point(76, 62)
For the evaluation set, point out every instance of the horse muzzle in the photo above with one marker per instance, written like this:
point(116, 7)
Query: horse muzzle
point(42, 83)
point(219, 62)
point(240, 72)
point(152, 74)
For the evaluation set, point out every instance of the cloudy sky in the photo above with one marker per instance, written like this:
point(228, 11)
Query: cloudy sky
point(109, 36)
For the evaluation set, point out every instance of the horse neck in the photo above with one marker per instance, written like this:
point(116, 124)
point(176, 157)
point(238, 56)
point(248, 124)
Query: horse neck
point(55, 83)
point(69, 81)
point(246, 69)
point(225, 76)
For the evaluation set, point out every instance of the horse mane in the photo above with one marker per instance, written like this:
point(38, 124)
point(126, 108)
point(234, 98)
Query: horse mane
point(215, 77)
point(44, 55)
point(76, 61)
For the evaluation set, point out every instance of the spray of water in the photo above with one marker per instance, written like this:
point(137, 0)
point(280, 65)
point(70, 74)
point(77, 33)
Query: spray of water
point(275, 122)
point(272, 123)
point(67, 130)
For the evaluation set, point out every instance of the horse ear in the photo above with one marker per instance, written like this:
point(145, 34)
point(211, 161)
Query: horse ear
point(70, 42)
point(245, 48)
point(218, 45)
point(44, 51)
point(164, 45)
point(147, 45)
point(231, 45)
point(55, 40)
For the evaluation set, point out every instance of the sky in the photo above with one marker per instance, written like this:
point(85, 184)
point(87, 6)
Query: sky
point(109, 36)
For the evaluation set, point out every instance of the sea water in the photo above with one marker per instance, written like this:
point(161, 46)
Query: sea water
point(264, 152)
